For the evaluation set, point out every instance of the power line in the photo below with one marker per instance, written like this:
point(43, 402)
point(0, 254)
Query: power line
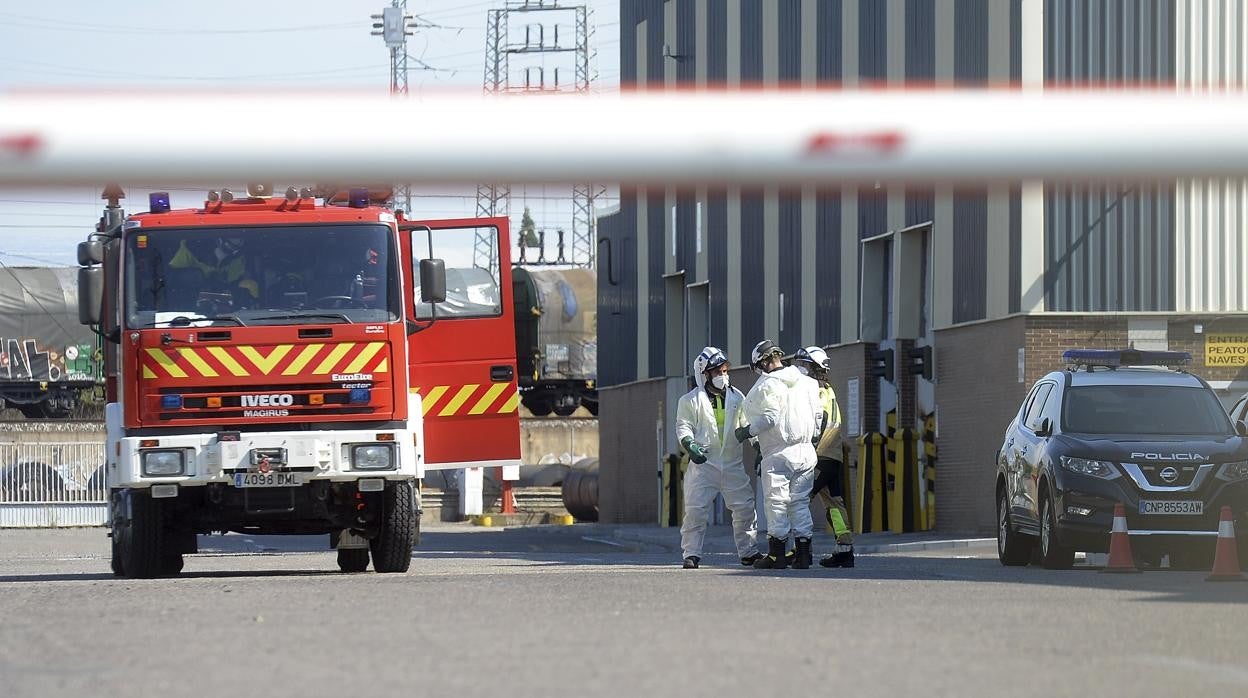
point(42, 225)
point(91, 72)
point(37, 259)
point(70, 26)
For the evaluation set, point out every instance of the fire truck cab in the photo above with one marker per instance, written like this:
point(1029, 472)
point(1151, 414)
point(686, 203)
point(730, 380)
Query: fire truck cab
point(289, 365)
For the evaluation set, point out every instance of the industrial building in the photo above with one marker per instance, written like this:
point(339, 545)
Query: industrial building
point(997, 280)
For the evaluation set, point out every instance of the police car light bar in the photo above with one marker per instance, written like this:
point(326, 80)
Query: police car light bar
point(1125, 357)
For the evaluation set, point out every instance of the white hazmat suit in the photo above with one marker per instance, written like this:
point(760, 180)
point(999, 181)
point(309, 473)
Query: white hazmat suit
point(783, 410)
point(723, 472)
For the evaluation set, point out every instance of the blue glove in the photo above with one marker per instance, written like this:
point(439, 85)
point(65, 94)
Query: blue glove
point(742, 433)
point(697, 452)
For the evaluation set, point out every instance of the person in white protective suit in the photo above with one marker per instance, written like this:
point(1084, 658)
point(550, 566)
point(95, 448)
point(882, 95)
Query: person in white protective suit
point(706, 418)
point(784, 412)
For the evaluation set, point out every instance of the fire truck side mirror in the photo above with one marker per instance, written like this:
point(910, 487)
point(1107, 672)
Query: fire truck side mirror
point(433, 281)
point(90, 252)
point(90, 294)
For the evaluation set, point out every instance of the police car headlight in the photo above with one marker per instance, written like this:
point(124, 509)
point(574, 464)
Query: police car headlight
point(1233, 472)
point(1096, 468)
point(372, 457)
point(163, 463)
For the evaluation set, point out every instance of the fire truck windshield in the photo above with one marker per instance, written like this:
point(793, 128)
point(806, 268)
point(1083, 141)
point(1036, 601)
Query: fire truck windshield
point(277, 275)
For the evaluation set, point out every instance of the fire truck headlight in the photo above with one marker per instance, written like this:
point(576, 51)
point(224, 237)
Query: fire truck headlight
point(372, 457)
point(163, 463)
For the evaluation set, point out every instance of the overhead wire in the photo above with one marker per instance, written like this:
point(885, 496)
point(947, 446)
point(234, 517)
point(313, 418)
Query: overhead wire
point(59, 24)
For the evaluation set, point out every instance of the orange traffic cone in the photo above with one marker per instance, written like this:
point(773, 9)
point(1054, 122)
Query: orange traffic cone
point(1120, 558)
point(1226, 557)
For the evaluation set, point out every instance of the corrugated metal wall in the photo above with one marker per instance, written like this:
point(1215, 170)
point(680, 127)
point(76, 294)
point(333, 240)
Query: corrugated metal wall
point(656, 215)
point(1211, 252)
point(970, 244)
point(1109, 248)
point(873, 41)
point(1105, 249)
point(828, 276)
point(753, 272)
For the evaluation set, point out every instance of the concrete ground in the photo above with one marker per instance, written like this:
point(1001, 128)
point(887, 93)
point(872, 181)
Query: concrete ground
point(595, 611)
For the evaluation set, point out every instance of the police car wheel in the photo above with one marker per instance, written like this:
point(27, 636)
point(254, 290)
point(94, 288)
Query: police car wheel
point(1013, 548)
point(1054, 555)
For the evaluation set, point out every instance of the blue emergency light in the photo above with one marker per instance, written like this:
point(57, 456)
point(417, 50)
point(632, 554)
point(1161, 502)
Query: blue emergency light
point(170, 402)
point(158, 202)
point(357, 198)
point(360, 396)
point(1125, 357)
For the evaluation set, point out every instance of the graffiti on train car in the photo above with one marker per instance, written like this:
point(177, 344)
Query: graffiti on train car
point(27, 360)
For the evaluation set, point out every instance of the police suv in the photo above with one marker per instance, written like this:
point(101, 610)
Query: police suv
point(1127, 427)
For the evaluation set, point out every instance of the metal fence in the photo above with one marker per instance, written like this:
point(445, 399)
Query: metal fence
point(52, 484)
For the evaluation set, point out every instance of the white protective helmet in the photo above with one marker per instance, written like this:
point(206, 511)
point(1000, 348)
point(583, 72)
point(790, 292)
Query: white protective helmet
point(813, 355)
point(710, 358)
point(763, 351)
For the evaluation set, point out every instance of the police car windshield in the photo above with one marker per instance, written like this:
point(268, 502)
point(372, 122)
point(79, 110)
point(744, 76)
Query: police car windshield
point(1144, 410)
point(275, 275)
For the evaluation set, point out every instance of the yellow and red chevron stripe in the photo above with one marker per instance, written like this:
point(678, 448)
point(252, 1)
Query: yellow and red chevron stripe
point(469, 399)
point(289, 360)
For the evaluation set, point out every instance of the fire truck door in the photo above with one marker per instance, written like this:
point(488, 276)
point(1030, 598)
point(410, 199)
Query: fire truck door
point(462, 363)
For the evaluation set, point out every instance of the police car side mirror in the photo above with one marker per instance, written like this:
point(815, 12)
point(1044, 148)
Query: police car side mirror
point(1241, 428)
point(1045, 428)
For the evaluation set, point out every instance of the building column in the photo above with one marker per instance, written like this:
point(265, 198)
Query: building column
point(1031, 200)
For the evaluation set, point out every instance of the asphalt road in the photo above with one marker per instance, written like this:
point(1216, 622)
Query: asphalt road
point(542, 611)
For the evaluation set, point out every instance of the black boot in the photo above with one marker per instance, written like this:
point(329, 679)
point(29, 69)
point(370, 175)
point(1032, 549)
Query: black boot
point(845, 558)
point(691, 562)
point(774, 559)
point(802, 557)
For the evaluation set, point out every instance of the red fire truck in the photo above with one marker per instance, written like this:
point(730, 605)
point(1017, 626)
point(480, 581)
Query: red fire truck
point(289, 365)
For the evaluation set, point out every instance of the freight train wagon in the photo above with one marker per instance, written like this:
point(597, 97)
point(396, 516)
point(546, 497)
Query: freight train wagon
point(47, 360)
point(557, 339)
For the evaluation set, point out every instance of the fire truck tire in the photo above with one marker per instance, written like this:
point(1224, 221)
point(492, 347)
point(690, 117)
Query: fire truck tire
point(142, 538)
point(392, 548)
point(352, 560)
point(171, 564)
point(115, 562)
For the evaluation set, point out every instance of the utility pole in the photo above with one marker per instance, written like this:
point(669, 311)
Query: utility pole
point(394, 28)
point(541, 39)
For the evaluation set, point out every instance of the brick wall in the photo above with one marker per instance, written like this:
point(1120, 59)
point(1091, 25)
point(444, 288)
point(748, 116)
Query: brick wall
point(1049, 335)
point(977, 394)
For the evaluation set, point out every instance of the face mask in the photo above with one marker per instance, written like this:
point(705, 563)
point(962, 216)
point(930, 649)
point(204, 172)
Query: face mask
point(804, 370)
point(720, 381)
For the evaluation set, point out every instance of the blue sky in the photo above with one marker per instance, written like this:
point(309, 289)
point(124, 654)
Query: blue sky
point(315, 44)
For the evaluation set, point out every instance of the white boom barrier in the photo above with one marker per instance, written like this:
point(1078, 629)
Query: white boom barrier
point(752, 138)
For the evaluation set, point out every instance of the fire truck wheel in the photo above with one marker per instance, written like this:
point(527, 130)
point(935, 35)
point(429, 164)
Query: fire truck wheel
point(392, 548)
point(142, 538)
point(171, 564)
point(115, 562)
point(352, 559)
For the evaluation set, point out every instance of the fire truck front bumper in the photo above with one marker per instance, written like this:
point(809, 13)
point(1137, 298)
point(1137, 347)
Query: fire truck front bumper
point(260, 459)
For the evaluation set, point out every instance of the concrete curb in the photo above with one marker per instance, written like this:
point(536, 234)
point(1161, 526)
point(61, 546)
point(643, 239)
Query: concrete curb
point(671, 543)
point(917, 546)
